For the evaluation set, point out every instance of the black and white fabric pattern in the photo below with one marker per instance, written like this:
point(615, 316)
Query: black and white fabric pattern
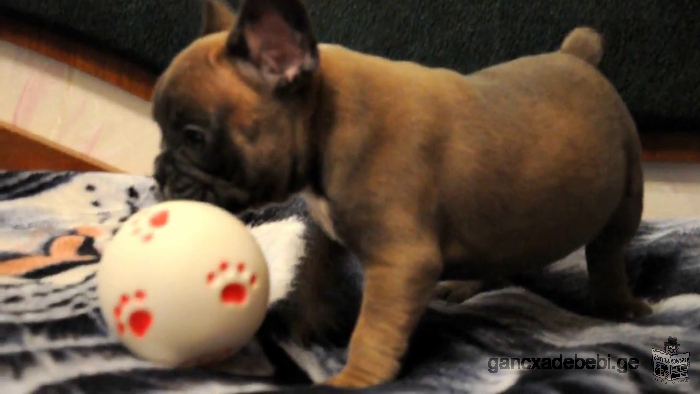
point(53, 339)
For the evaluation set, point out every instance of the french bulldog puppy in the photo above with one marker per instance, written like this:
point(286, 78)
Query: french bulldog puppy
point(422, 173)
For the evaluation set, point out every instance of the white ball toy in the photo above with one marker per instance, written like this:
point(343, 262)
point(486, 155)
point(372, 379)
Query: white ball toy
point(183, 283)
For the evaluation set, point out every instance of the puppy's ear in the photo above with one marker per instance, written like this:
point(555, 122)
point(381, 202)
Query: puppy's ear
point(276, 38)
point(217, 16)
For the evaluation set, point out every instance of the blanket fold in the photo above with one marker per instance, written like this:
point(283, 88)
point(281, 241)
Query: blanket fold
point(535, 336)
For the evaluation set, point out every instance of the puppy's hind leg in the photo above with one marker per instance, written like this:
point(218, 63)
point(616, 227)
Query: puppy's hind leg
point(611, 294)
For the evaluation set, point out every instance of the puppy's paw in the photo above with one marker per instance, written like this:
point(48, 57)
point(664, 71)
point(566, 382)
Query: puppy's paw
point(623, 310)
point(349, 379)
point(341, 380)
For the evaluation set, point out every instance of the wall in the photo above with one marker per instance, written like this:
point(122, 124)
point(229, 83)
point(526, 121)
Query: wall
point(72, 108)
point(93, 117)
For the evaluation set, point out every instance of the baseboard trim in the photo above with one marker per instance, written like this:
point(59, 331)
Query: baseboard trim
point(21, 150)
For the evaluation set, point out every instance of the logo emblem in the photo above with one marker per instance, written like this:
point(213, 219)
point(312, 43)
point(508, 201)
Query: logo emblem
point(670, 367)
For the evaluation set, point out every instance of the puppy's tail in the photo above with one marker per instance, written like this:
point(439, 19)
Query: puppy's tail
point(584, 43)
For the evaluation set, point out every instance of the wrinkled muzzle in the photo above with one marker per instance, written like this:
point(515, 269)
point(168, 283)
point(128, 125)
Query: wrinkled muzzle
point(179, 180)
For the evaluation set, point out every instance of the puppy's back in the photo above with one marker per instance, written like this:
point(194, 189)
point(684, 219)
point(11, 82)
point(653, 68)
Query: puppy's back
point(548, 131)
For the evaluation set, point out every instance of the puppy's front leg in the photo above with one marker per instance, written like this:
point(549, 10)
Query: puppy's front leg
point(399, 282)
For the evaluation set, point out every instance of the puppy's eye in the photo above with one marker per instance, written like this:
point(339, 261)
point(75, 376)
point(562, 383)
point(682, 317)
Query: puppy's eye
point(193, 138)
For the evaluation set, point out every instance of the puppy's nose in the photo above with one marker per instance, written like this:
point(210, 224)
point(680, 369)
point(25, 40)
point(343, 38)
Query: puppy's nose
point(160, 195)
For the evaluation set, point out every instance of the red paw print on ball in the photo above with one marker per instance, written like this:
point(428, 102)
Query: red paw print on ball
point(154, 222)
point(132, 316)
point(233, 283)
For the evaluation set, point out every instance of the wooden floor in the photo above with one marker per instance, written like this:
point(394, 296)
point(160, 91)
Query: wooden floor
point(21, 150)
point(662, 146)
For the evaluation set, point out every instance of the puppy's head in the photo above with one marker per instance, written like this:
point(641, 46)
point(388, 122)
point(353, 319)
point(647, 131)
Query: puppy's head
point(233, 107)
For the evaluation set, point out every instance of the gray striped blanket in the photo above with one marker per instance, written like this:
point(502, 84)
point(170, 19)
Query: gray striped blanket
point(535, 336)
